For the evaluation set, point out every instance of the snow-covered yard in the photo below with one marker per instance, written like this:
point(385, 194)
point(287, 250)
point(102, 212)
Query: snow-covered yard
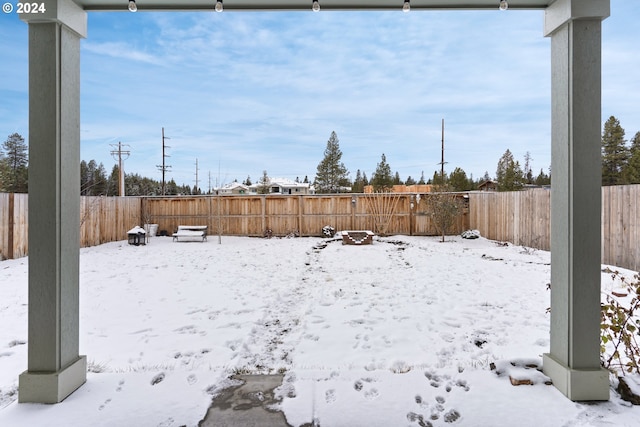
point(402, 332)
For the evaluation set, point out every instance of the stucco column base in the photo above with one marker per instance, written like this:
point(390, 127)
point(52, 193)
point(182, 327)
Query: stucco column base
point(577, 384)
point(52, 387)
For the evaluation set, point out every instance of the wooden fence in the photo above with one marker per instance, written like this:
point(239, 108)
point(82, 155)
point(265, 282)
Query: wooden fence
point(305, 215)
point(13, 225)
point(107, 219)
point(102, 220)
point(524, 218)
point(621, 226)
point(520, 217)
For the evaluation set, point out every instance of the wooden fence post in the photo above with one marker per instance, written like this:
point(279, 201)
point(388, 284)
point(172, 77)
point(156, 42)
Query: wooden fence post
point(412, 198)
point(300, 221)
point(353, 212)
point(264, 213)
point(10, 228)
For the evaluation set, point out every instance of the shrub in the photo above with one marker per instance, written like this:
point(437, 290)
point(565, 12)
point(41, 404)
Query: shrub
point(619, 327)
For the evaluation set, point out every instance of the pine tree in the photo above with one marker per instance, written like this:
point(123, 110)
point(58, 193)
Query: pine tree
point(358, 183)
point(15, 164)
point(458, 180)
point(438, 179)
point(382, 180)
point(112, 182)
point(171, 188)
point(264, 182)
point(331, 173)
point(410, 181)
point(247, 181)
point(614, 152)
point(528, 174)
point(93, 179)
point(509, 174)
point(632, 170)
point(422, 181)
point(396, 179)
point(543, 178)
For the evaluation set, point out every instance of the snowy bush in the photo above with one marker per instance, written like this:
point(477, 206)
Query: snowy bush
point(328, 231)
point(620, 325)
point(291, 234)
point(470, 234)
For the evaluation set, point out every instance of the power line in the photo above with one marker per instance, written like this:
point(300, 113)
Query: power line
point(120, 152)
point(197, 188)
point(442, 162)
point(164, 167)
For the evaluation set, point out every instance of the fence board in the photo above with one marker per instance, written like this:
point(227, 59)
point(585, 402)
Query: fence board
point(4, 226)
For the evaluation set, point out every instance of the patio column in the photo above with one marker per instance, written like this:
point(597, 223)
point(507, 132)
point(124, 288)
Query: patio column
point(55, 368)
point(574, 359)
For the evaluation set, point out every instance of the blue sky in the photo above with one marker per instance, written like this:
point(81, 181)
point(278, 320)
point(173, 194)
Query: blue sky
point(246, 92)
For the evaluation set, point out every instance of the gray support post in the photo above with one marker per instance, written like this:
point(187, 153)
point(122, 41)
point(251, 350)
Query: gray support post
point(55, 368)
point(574, 359)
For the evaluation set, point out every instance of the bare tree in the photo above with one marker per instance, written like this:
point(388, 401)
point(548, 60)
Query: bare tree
point(443, 207)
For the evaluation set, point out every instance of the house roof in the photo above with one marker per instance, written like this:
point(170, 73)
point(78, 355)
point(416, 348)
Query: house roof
point(101, 5)
point(232, 185)
point(282, 182)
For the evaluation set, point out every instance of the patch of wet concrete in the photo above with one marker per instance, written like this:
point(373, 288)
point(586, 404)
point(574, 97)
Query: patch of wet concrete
point(247, 405)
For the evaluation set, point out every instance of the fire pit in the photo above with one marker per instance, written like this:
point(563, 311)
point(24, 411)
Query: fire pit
point(354, 237)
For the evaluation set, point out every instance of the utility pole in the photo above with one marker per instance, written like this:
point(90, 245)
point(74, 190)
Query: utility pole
point(120, 152)
point(442, 162)
point(163, 168)
point(197, 188)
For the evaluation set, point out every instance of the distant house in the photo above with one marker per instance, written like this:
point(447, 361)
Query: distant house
point(415, 188)
point(488, 185)
point(283, 186)
point(536, 186)
point(233, 188)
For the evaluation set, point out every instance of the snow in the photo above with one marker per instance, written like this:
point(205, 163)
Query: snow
point(403, 332)
point(137, 230)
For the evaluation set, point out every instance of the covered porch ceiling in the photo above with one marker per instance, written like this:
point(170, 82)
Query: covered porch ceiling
point(249, 5)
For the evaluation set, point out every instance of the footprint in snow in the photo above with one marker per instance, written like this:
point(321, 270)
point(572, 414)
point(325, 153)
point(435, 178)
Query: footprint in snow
point(192, 379)
point(371, 394)
point(419, 418)
point(462, 384)
point(451, 416)
point(158, 378)
point(421, 401)
point(106, 402)
point(330, 396)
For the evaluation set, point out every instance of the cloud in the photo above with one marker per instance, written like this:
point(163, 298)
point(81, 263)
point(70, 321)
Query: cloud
point(120, 50)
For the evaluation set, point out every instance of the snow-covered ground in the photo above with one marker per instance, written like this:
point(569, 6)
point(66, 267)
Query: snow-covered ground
point(398, 333)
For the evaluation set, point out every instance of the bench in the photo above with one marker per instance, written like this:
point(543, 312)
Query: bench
point(191, 231)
